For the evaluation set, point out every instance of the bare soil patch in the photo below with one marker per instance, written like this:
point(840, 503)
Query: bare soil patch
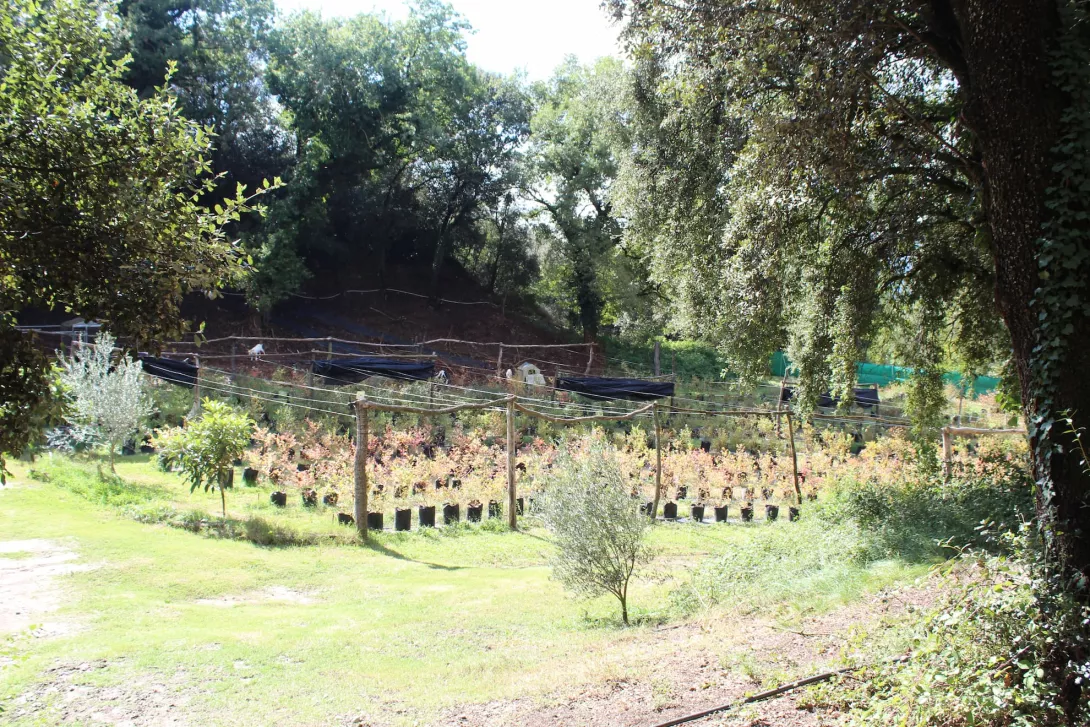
point(66, 698)
point(28, 588)
point(685, 669)
point(273, 594)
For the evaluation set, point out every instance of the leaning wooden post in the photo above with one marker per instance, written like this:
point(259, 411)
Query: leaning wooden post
point(361, 465)
point(329, 348)
point(590, 359)
point(512, 510)
point(947, 452)
point(197, 386)
point(499, 363)
point(794, 458)
point(234, 357)
point(658, 462)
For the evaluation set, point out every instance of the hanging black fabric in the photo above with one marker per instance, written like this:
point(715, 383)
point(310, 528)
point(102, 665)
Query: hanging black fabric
point(176, 372)
point(354, 370)
point(864, 398)
point(602, 388)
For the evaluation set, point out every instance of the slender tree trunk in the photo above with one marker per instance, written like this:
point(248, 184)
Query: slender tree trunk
point(1015, 111)
point(223, 500)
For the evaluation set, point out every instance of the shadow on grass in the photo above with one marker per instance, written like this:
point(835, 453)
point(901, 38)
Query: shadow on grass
point(378, 547)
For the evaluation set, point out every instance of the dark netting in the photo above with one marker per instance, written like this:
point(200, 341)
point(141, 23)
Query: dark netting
point(866, 398)
point(176, 372)
point(602, 388)
point(354, 370)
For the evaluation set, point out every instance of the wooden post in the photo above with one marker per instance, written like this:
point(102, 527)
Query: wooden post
point(794, 458)
point(361, 465)
point(499, 364)
point(329, 348)
point(779, 404)
point(590, 359)
point(197, 385)
point(234, 355)
point(658, 352)
point(658, 463)
point(512, 510)
point(947, 451)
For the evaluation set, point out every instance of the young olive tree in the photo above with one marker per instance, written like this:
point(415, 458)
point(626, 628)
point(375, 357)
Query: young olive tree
point(107, 392)
point(599, 532)
point(203, 451)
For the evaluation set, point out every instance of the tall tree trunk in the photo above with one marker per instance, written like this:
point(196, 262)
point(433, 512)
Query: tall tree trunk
point(1015, 111)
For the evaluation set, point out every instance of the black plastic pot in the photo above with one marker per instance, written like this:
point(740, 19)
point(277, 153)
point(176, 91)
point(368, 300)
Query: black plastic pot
point(345, 519)
point(451, 514)
point(766, 493)
point(792, 514)
point(127, 450)
point(747, 514)
point(682, 492)
point(474, 512)
point(696, 512)
point(669, 511)
point(280, 499)
point(227, 479)
point(310, 498)
point(811, 495)
point(374, 521)
point(330, 498)
point(721, 514)
point(645, 508)
point(147, 449)
point(456, 484)
point(249, 476)
point(705, 445)
point(426, 515)
point(772, 512)
point(403, 519)
point(493, 509)
point(519, 506)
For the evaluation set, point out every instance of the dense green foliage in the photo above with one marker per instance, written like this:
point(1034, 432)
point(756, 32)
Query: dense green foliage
point(99, 203)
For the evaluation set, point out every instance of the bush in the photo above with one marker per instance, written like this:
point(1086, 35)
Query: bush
point(260, 531)
point(1008, 646)
point(107, 393)
point(599, 531)
point(205, 449)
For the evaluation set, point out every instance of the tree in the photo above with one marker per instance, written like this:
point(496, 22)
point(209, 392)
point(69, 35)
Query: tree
point(99, 189)
point(204, 450)
point(220, 50)
point(575, 129)
point(912, 161)
point(599, 532)
point(107, 392)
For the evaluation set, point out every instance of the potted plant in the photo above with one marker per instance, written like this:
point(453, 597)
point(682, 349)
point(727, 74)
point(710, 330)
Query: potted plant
point(747, 512)
point(403, 518)
point(669, 511)
point(474, 511)
point(696, 513)
point(772, 512)
point(451, 514)
point(279, 498)
point(721, 513)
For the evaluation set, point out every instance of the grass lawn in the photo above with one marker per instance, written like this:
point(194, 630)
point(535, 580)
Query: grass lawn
point(393, 634)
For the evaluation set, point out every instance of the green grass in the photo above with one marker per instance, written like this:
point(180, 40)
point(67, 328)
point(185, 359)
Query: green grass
point(392, 633)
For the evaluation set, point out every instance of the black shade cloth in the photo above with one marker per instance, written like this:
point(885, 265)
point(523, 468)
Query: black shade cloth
point(176, 372)
point(865, 398)
point(354, 370)
point(601, 388)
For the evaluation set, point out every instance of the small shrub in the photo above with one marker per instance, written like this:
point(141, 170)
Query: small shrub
point(260, 531)
point(599, 531)
point(205, 449)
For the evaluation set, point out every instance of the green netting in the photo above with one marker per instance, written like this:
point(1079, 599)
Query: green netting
point(886, 374)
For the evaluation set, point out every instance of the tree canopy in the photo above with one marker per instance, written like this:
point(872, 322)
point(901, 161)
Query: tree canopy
point(100, 211)
point(817, 173)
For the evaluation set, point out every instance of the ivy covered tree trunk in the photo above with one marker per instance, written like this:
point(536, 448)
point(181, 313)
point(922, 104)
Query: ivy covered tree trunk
point(1005, 55)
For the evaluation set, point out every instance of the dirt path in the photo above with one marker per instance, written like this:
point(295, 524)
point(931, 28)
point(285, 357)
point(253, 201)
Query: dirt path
point(706, 665)
point(29, 593)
